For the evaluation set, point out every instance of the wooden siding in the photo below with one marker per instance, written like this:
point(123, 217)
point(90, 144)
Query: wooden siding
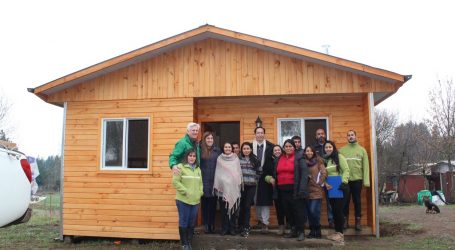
point(219, 68)
point(128, 204)
point(344, 113)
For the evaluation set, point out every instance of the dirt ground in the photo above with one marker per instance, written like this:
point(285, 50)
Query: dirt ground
point(402, 227)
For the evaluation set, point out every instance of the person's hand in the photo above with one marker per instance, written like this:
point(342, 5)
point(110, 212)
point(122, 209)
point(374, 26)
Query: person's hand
point(175, 170)
point(343, 187)
point(272, 181)
point(328, 186)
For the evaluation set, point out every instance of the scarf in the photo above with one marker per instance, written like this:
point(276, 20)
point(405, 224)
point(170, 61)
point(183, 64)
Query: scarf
point(228, 180)
point(311, 162)
point(255, 150)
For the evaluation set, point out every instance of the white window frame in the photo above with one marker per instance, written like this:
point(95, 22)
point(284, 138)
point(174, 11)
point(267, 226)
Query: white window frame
point(125, 144)
point(302, 129)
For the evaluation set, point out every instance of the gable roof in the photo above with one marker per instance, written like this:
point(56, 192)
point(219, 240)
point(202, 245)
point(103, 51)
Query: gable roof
point(209, 31)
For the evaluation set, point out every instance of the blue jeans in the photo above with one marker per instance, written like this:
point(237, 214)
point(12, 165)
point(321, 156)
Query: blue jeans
point(187, 214)
point(314, 211)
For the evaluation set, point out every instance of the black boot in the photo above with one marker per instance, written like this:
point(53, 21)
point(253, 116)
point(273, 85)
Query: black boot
point(189, 237)
point(311, 234)
point(292, 233)
point(317, 232)
point(183, 237)
point(357, 224)
point(346, 222)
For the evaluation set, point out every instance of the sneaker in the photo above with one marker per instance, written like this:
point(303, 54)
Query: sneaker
point(331, 236)
point(245, 233)
point(338, 239)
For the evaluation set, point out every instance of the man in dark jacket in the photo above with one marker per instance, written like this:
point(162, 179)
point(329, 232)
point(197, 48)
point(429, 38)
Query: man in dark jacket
point(298, 145)
point(320, 140)
point(263, 149)
point(189, 141)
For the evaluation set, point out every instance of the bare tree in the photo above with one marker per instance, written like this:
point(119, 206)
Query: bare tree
point(442, 121)
point(5, 107)
point(385, 123)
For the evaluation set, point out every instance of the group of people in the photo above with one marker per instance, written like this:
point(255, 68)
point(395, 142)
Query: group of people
point(259, 173)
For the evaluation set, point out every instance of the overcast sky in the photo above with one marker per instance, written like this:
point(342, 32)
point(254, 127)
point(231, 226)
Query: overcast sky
point(44, 40)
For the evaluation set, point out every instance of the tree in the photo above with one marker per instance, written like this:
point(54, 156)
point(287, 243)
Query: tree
point(442, 121)
point(5, 107)
point(49, 178)
point(385, 123)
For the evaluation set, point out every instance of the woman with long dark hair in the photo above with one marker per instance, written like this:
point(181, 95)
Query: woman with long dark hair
point(277, 152)
point(209, 156)
point(290, 177)
point(316, 175)
point(249, 164)
point(227, 186)
point(336, 165)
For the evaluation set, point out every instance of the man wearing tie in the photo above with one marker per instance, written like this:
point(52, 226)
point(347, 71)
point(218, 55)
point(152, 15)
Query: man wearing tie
point(263, 149)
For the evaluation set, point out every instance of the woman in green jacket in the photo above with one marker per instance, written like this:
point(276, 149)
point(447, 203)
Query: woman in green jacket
point(336, 165)
point(189, 191)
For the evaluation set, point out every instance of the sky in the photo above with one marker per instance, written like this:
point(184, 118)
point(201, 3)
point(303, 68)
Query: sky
point(41, 41)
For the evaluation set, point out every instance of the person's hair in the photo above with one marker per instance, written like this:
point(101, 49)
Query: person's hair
point(235, 143)
point(334, 155)
point(290, 141)
point(224, 144)
point(353, 131)
point(316, 132)
point(255, 129)
point(253, 158)
point(315, 155)
point(188, 152)
point(192, 124)
point(312, 149)
point(276, 145)
point(296, 137)
point(206, 151)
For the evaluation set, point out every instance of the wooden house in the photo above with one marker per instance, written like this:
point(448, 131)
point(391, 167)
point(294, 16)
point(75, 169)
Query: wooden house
point(123, 116)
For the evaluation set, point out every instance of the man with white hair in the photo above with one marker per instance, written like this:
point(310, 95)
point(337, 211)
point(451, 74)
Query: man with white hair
point(189, 141)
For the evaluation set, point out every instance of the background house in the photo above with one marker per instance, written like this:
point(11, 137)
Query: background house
point(124, 115)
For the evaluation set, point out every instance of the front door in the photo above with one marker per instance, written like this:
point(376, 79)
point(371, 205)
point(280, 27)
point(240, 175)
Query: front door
point(224, 132)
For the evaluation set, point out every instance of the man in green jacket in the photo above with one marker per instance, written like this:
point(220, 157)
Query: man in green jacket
point(189, 141)
point(359, 174)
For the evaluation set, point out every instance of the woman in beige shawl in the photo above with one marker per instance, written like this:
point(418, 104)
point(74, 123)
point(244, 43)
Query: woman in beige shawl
point(227, 186)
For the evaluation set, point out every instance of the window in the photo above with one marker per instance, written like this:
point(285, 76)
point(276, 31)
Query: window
point(303, 127)
point(125, 143)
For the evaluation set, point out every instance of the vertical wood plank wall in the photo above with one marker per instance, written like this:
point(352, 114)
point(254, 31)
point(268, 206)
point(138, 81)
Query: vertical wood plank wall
point(344, 113)
point(128, 204)
point(218, 68)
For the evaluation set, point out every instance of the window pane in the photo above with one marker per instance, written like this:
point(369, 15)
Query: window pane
point(113, 154)
point(137, 143)
point(289, 128)
point(310, 129)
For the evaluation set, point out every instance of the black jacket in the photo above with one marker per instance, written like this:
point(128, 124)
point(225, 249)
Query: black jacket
point(208, 167)
point(265, 190)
